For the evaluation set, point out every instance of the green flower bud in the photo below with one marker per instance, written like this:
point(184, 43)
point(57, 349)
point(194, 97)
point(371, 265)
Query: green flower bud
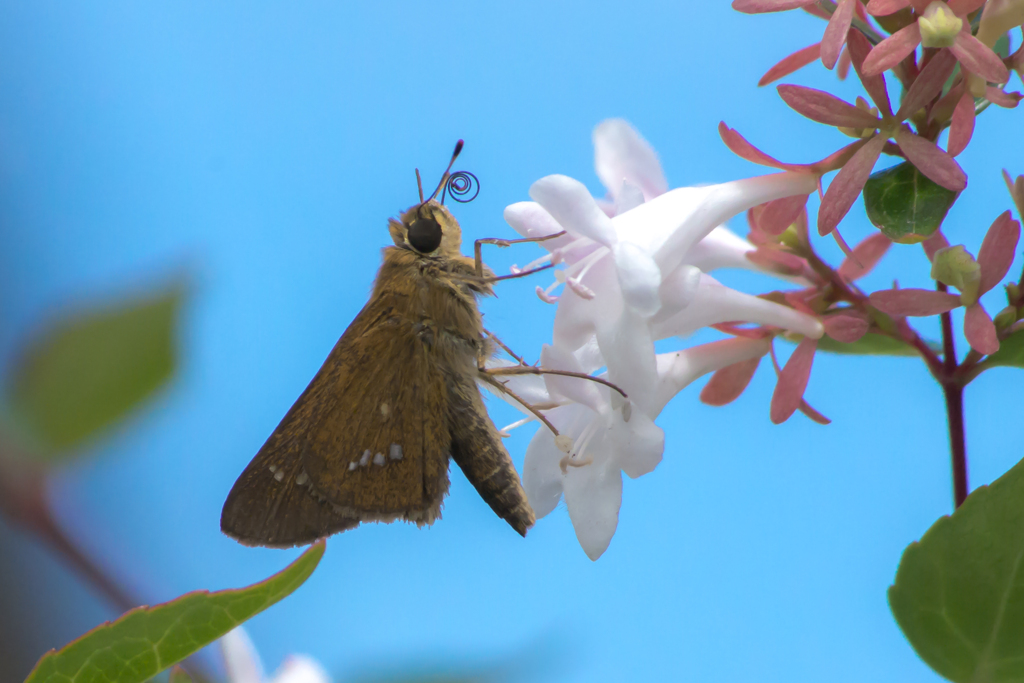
point(1013, 292)
point(955, 267)
point(939, 25)
point(1005, 318)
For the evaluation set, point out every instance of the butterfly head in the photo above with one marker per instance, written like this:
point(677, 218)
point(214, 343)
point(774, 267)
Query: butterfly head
point(428, 229)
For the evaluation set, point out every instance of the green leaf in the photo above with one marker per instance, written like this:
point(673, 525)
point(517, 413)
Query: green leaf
point(871, 344)
point(959, 592)
point(1010, 353)
point(904, 204)
point(87, 372)
point(147, 640)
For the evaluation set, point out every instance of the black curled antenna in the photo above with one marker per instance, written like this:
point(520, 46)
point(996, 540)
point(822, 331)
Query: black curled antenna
point(460, 184)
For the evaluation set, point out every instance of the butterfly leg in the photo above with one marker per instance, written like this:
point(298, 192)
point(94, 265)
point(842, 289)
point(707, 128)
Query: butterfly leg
point(478, 256)
point(493, 337)
point(486, 376)
point(534, 370)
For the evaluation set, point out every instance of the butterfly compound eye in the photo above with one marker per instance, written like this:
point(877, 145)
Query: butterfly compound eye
point(425, 235)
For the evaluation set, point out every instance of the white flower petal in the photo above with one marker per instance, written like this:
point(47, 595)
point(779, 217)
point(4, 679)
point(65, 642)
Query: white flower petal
point(241, 661)
point(639, 278)
point(678, 290)
point(721, 202)
point(677, 370)
point(578, 390)
point(542, 477)
point(576, 317)
point(715, 303)
point(589, 356)
point(637, 445)
point(530, 219)
point(593, 495)
point(722, 248)
point(620, 153)
point(569, 202)
point(629, 197)
point(299, 669)
point(629, 351)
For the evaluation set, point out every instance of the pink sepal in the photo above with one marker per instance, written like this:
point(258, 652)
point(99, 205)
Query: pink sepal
point(847, 184)
point(860, 48)
point(913, 302)
point(928, 84)
point(978, 58)
point(826, 108)
point(810, 412)
point(961, 128)
point(789, 390)
point(726, 385)
point(881, 8)
point(781, 262)
point(962, 7)
point(835, 33)
point(934, 243)
point(980, 330)
point(734, 329)
point(997, 251)
point(791, 63)
point(997, 96)
point(865, 256)
point(846, 326)
point(841, 243)
point(892, 50)
point(843, 68)
point(762, 6)
point(931, 161)
point(779, 214)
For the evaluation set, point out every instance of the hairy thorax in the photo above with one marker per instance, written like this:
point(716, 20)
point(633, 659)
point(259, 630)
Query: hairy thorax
point(437, 295)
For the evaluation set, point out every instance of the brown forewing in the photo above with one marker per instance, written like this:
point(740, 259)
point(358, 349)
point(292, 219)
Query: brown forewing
point(377, 388)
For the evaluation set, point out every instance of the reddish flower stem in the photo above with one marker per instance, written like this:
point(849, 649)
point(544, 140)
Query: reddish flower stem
point(954, 393)
point(23, 501)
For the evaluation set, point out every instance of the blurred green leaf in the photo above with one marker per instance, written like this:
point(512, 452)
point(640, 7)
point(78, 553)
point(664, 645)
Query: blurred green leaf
point(959, 592)
point(148, 640)
point(871, 344)
point(1010, 353)
point(87, 372)
point(904, 204)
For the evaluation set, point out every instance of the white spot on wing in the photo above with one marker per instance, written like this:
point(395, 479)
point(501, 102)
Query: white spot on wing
point(378, 459)
point(352, 465)
point(396, 452)
point(365, 460)
point(279, 475)
point(385, 410)
point(302, 478)
point(273, 468)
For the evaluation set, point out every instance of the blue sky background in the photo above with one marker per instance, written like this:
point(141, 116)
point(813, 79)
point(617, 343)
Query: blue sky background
point(260, 147)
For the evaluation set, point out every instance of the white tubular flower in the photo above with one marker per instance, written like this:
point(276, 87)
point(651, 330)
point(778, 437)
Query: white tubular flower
point(632, 271)
point(608, 440)
point(242, 663)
